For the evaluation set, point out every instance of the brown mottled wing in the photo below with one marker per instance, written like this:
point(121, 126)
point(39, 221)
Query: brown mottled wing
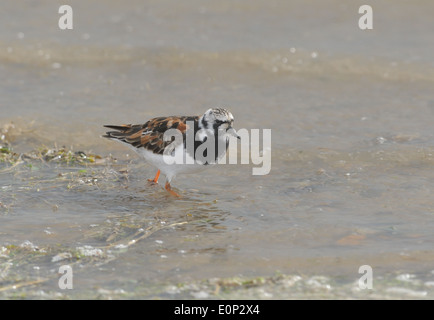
point(149, 135)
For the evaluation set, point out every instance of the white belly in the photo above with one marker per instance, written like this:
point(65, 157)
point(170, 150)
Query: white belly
point(167, 166)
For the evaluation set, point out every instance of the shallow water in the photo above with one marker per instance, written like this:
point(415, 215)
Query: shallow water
point(351, 114)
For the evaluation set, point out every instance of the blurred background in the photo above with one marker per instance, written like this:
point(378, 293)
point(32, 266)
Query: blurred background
point(351, 113)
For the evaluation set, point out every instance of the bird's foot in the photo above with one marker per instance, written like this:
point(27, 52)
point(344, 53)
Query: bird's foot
point(169, 189)
point(155, 180)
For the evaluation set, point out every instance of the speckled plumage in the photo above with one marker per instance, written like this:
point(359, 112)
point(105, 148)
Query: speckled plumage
point(150, 134)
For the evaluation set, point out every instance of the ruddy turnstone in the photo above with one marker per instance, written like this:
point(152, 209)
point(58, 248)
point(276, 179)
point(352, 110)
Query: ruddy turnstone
point(213, 128)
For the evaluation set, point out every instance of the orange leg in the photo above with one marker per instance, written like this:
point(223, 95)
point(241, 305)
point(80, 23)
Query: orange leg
point(155, 180)
point(169, 189)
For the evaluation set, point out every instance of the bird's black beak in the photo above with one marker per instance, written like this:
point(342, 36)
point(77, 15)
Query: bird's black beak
point(233, 133)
